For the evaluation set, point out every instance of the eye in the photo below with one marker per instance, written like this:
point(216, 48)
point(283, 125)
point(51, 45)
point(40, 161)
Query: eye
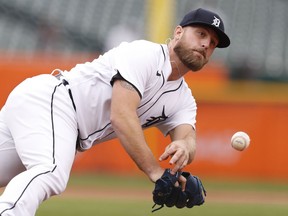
point(213, 43)
point(202, 34)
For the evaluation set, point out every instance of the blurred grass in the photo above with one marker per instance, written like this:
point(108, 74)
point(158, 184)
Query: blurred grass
point(105, 206)
point(140, 181)
point(87, 207)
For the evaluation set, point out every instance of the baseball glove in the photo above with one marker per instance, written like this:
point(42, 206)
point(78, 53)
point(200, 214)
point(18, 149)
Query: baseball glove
point(194, 190)
point(167, 193)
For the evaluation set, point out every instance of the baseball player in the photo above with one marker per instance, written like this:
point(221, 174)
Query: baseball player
point(134, 86)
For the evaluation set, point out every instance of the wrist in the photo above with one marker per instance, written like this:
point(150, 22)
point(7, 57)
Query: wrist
point(155, 174)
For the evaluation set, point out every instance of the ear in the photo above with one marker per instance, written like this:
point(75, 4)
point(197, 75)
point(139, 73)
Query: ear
point(178, 32)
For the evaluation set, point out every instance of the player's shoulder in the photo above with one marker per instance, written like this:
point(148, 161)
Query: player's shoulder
point(141, 45)
point(142, 50)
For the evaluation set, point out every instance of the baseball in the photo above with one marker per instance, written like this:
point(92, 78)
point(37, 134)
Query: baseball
point(240, 141)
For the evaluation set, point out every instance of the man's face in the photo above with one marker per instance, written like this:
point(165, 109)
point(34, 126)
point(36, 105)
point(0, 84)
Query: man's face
point(195, 46)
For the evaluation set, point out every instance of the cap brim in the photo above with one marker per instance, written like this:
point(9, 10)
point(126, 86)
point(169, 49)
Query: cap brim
point(224, 40)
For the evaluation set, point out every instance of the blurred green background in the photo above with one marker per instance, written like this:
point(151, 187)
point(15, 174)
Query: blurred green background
point(131, 195)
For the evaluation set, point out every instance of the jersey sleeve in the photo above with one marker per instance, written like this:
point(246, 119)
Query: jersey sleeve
point(136, 61)
point(186, 114)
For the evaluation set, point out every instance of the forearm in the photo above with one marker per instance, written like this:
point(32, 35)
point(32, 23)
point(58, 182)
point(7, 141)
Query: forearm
point(131, 136)
point(127, 127)
point(191, 145)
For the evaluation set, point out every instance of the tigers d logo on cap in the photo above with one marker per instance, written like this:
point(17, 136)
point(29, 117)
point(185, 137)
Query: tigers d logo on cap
point(216, 22)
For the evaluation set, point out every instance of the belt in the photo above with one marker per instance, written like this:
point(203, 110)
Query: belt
point(58, 75)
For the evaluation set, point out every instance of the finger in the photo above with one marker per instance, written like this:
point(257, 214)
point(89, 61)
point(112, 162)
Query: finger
point(179, 156)
point(174, 159)
point(180, 164)
point(164, 156)
point(168, 152)
point(175, 169)
point(182, 181)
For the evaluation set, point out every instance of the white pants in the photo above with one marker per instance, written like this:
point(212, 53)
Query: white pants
point(38, 132)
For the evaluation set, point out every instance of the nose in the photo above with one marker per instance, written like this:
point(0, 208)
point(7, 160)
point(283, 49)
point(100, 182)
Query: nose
point(204, 46)
point(205, 43)
point(209, 42)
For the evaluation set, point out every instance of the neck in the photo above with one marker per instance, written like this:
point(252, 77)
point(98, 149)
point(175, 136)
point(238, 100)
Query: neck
point(176, 73)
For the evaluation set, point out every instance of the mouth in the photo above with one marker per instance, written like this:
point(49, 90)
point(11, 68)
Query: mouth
point(200, 52)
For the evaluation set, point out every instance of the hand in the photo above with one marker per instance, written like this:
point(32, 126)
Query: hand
point(179, 153)
point(158, 173)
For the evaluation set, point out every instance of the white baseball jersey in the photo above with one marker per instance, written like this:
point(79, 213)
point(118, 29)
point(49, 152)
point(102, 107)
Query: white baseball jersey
point(39, 125)
point(146, 66)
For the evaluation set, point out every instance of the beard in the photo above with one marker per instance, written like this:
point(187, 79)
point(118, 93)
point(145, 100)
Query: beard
point(189, 57)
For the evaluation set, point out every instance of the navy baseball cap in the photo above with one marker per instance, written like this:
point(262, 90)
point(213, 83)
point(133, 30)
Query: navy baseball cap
point(207, 18)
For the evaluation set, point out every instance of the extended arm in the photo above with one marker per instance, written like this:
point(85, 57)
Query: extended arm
point(126, 124)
